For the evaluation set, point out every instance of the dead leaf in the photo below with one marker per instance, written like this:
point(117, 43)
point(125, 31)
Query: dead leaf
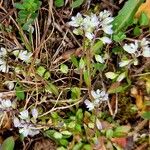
point(137, 94)
point(67, 55)
point(145, 7)
point(44, 144)
point(120, 141)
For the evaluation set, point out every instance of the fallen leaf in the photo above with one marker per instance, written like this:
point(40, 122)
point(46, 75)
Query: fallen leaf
point(120, 141)
point(67, 55)
point(137, 94)
point(145, 7)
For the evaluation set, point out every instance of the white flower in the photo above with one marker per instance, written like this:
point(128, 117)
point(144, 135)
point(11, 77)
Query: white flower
point(99, 58)
point(3, 66)
point(106, 40)
point(23, 55)
point(90, 22)
point(16, 122)
point(6, 103)
point(111, 75)
point(34, 113)
point(28, 130)
point(131, 48)
point(24, 115)
point(124, 63)
point(99, 96)
point(105, 21)
point(146, 52)
point(89, 104)
point(76, 21)
point(24, 131)
point(3, 52)
point(107, 29)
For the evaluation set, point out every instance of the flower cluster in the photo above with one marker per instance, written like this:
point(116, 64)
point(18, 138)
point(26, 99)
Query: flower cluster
point(89, 25)
point(136, 49)
point(3, 64)
point(23, 55)
point(26, 124)
point(99, 96)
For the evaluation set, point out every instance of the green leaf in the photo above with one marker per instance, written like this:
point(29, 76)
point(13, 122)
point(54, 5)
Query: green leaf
point(77, 3)
point(74, 61)
point(86, 78)
point(63, 142)
point(81, 63)
point(116, 88)
point(66, 133)
point(146, 115)
point(79, 114)
point(121, 131)
point(97, 46)
point(75, 93)
point(120, 36)
point(87, 147)
point(126, 14)
point(137, 31)
point(19, 6)
point(47, 75)
point(59, 3)
point(8, 144)
point(109, 133)
point(52, 88)
point(78, 146)
point(57, 135)
point(144, 20)
point(49, 133)
point(64, 68)
point(20, 93)
point(40, 71)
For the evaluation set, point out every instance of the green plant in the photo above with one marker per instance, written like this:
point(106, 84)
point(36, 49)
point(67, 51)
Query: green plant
point(27, 13)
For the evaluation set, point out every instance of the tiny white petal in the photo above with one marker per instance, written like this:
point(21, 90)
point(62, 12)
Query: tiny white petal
point(131, 48)
point(106, 40)
point(107, 29)
point(16, 122)
point(3, 52)
point(6, 103)
point(24, 131)
point(146, 52)
point(34, 113)
point(94, 94)
point(76, 21)
point(98, 124)
point(89, 105)
point(24, 114)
